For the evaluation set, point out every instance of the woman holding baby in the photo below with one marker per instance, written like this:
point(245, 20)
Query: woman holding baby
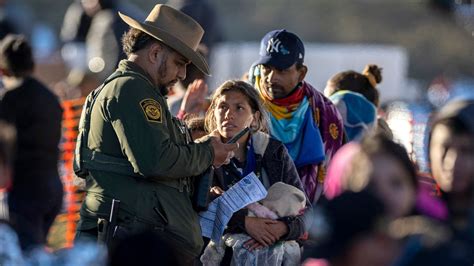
point(234, 106)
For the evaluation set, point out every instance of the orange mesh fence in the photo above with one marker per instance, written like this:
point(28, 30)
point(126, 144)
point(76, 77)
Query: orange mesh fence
point(63, 230)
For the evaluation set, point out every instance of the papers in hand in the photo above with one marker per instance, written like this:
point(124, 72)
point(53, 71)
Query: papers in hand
point(213, 221)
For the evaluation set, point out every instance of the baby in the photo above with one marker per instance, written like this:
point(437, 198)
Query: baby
point(282, 200)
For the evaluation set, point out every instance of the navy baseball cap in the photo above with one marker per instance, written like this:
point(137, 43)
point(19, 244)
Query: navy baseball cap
point(280, 49)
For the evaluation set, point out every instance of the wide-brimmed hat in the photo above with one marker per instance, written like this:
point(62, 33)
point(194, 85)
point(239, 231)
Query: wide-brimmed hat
point(175, 29)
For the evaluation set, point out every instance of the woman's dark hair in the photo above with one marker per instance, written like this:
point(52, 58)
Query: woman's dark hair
point(253, 99)
point(364, 83)
point(16, 56)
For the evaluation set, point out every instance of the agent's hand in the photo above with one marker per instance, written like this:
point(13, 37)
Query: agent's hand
point(217, 191)
point(222, 152)
point(260, 230)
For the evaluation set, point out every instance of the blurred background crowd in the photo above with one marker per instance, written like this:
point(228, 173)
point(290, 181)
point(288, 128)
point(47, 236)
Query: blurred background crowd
point(425, 48)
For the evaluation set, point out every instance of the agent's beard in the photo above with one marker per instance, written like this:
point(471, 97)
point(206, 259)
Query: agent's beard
point(162, 72)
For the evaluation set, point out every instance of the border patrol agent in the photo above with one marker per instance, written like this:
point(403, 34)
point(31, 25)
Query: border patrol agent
point(129, 146)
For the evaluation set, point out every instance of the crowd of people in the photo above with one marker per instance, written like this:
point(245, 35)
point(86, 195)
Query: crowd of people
point(340, 190)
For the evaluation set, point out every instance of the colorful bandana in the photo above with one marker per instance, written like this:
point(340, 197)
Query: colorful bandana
point(300, 136)
point(281, 108)
point(292, 122)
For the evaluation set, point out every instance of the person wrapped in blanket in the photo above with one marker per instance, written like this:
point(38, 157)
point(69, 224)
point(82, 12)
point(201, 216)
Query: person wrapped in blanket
point(301, 117)
point(358, 100)
point(234, 106)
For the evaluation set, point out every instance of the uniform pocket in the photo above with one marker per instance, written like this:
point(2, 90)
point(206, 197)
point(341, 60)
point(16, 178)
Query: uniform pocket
point(135, 225)
point(160, 211)
point(149, 210)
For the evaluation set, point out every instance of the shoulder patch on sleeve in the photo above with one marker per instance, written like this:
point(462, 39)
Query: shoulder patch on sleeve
point(152, 110)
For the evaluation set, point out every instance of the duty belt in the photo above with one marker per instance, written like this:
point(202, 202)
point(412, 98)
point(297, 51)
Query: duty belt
point(98, 161)
point(181, 184)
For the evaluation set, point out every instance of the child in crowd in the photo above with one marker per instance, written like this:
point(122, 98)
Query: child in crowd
point(451, 150)
point(195, 125)
point(380, 165)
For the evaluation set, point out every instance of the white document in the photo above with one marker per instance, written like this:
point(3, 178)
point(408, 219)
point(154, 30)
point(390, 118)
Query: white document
point(213, 221)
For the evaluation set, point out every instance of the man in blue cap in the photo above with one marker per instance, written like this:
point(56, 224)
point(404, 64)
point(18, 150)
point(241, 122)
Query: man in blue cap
point(301, 117)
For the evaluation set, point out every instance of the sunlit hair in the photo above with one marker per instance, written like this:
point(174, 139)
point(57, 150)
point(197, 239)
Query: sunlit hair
point(253, 99)
point(135, 40)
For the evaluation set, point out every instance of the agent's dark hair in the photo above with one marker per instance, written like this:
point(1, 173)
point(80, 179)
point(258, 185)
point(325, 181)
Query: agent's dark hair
point(134, 40)
point(364, 83)
point(16, 56)
point(253, 99)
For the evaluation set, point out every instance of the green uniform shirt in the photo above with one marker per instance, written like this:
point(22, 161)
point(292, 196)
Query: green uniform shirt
point(130, 119)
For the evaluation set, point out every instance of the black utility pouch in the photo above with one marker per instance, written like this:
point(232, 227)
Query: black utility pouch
point(102, 227)
point(202, 187)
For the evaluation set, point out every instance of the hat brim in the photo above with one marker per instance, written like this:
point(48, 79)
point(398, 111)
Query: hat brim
point(168, 39)
point(271, 61)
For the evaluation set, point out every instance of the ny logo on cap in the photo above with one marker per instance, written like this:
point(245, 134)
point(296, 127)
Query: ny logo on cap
point(274, 45)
